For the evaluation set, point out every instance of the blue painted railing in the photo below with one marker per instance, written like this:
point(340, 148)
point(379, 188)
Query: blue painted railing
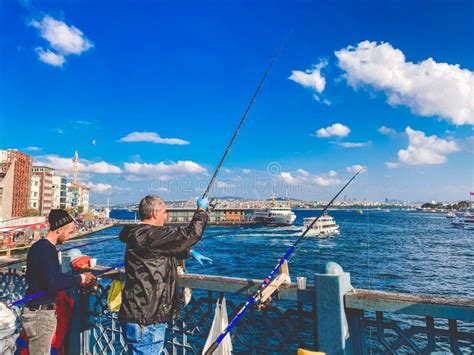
point(328, 316)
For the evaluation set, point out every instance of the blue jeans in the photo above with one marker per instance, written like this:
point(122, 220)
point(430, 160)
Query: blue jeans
point(144, 339)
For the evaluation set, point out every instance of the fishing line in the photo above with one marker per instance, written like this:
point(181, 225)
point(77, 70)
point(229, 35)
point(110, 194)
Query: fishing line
point(101, 239)
point(369, 267)
point(244, 116)
point(255, 297)
point(39, 294)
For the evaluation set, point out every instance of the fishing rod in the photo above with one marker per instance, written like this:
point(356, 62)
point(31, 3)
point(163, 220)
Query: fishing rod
point(39, 294)
point(242, 119)
point(18, 261)
point(257, 294)
point(103, 239)
point(236, 131)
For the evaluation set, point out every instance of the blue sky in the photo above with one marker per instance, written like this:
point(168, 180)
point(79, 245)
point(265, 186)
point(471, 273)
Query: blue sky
point(354, 85)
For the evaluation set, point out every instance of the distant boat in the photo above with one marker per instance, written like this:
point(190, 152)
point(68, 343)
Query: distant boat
point(464, 220)
point(451, 214)
point(325, 226)
point(360, 212)
point(276, 214)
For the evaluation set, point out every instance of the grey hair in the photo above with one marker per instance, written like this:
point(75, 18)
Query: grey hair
point(149, 204)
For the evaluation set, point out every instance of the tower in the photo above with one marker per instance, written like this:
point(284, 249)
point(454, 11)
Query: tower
point(75, 161)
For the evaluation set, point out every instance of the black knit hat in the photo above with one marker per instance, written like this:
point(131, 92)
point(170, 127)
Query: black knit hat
point(58, 218)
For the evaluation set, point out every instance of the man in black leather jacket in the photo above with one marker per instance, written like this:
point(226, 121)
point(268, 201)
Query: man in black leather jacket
point(150, 296)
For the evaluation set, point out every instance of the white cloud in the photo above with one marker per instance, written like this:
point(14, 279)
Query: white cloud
point(311, 78)
point(332, 173)
point(323, 181)
point(102, 188)
point(355, 168)
point(164, 169)
point(423, 150)
point(304, 177)
point(337, 129)
point(84, 166)
point(428, 88)
point(392, 165)
point(386, 130)
point(288, 178)
point(100, 168)
point(48, 57)
point(224, 185)
point(151, 137)
point(303, 172)
point(246, 171)
point(65, 39)
point(352, 144)
point(33, 149)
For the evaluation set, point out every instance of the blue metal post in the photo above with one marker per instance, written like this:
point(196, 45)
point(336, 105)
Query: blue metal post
point(331, 323)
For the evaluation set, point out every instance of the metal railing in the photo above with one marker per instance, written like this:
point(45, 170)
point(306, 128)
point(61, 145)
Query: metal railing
point(328, 316)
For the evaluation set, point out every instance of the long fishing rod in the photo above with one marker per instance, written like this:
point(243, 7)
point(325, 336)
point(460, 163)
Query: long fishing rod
point(103, 239)
point(242, 119)
point(257, 294)
point(39, 294)
point(18, 261)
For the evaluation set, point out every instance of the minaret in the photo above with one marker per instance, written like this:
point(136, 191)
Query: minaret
point(75, 161)
point(107, 210)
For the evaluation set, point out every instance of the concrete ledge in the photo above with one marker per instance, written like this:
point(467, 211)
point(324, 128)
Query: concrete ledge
point(422, 305)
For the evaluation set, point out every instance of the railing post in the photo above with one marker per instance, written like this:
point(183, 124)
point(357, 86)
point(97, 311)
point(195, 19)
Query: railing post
point(356, 343)
point(331, 323)
point(78, 343)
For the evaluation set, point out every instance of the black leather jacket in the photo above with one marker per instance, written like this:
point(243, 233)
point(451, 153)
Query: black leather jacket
point(150, 294)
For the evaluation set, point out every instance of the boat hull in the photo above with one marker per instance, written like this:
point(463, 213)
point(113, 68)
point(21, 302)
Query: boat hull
point(322, 234)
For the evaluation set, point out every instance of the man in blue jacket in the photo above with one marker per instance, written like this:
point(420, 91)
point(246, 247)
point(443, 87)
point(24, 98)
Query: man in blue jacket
point(150, 296)
point(43, 275)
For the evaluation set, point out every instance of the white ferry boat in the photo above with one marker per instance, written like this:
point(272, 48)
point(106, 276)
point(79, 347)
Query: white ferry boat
point(324, 226)
point(277, 214)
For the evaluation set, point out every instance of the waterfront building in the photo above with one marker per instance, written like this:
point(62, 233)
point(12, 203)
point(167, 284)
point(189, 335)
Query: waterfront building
point(217, 216)
point(15, 173)
point(78, 197)
point(59, 191)
point(35, 192)
point(45, 175)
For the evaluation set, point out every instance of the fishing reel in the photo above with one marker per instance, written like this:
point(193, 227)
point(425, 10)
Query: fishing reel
point(91, 288)
point(212, 204)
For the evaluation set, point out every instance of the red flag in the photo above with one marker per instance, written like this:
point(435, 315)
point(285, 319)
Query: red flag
point(472, 193)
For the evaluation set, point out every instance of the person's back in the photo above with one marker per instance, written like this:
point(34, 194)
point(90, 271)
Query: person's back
point(150, 296)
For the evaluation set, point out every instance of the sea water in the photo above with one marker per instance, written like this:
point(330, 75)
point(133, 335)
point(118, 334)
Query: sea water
point(395, 251)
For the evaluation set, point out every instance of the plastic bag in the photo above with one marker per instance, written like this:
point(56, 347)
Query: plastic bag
point(7, 330)
point(219, 323)
point(114, 298)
